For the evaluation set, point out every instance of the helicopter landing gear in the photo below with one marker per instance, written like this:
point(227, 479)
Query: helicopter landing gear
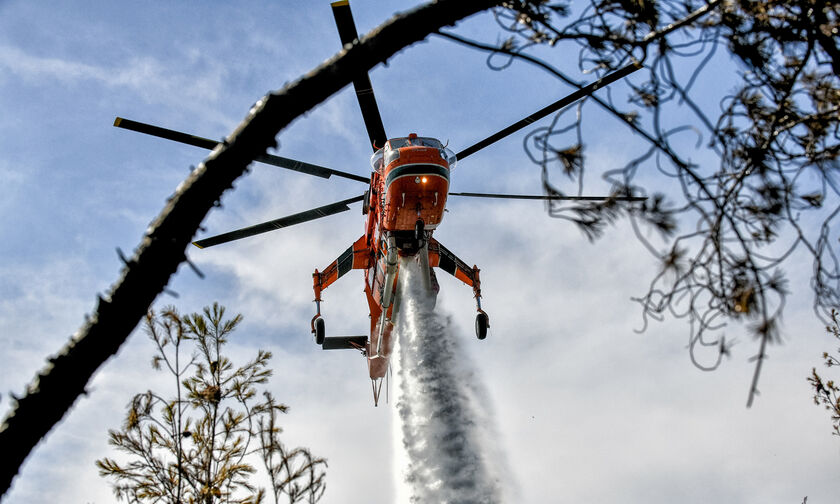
point(317, 323)
point(482, 322)
point(319, 330)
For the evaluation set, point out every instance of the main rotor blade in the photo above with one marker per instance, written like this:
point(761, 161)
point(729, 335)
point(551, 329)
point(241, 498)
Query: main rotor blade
point(361, 82)
point(547, 197)
point(291, 220)
point(567, 100)
point(206, 143)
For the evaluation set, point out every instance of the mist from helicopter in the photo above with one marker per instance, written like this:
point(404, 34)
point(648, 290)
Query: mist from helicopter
point(449, 447)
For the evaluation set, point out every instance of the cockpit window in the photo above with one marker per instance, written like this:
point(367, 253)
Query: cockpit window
point(396, 143)
point(376, 160)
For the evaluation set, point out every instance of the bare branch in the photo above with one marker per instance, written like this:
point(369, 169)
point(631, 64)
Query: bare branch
point(162, 249)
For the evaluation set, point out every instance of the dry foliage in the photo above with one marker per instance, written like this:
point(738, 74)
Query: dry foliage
point(199, 445)
point(827, 392)
point(736, 185)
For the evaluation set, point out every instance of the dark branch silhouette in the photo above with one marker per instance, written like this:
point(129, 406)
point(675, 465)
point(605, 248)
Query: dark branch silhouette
point(163, 247)
point(722, 230)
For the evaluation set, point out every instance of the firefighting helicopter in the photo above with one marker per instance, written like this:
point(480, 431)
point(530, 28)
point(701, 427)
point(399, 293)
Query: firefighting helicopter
point(404, 204)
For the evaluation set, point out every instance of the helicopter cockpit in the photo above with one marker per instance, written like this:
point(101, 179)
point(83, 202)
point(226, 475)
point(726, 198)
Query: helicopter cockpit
point(391, 151)
point(413, 141)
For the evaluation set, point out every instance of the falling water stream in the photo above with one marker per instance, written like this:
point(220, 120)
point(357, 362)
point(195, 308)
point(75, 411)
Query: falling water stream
point(449, 449)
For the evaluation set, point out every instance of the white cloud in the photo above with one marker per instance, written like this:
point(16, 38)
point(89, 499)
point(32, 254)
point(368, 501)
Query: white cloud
point(587, 409)
point(38, 308)
point(145, 77)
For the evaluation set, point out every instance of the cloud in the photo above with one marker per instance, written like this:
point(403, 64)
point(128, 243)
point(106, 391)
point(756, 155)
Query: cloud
point(587, 409)
point(146, 77)
point(38, 306)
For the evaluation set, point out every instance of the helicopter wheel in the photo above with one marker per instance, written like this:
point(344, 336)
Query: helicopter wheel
point(481, 324)
point(320, 331)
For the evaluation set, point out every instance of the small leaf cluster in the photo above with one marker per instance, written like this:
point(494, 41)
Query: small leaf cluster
point(826, 391)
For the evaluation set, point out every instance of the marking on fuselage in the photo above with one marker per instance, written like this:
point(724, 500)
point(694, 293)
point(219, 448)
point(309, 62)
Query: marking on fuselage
point(414, 170)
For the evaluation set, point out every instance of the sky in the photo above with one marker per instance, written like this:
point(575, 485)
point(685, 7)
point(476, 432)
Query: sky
point(586, 408)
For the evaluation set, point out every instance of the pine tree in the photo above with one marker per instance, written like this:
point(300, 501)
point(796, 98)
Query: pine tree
point(198, 446)
point(827, 392)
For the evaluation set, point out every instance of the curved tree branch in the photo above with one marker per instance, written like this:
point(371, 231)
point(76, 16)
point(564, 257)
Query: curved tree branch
point(163, 247)
point(765, 185)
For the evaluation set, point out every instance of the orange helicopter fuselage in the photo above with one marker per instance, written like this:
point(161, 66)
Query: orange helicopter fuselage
point(404, 204)
point(414, 187)
point(410, 183)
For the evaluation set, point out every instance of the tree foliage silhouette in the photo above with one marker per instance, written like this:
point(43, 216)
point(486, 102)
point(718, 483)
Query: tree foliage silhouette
point(827, 391)
point(198, 445)
point(764, 187)
point(163, 247)
point(727, 227)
